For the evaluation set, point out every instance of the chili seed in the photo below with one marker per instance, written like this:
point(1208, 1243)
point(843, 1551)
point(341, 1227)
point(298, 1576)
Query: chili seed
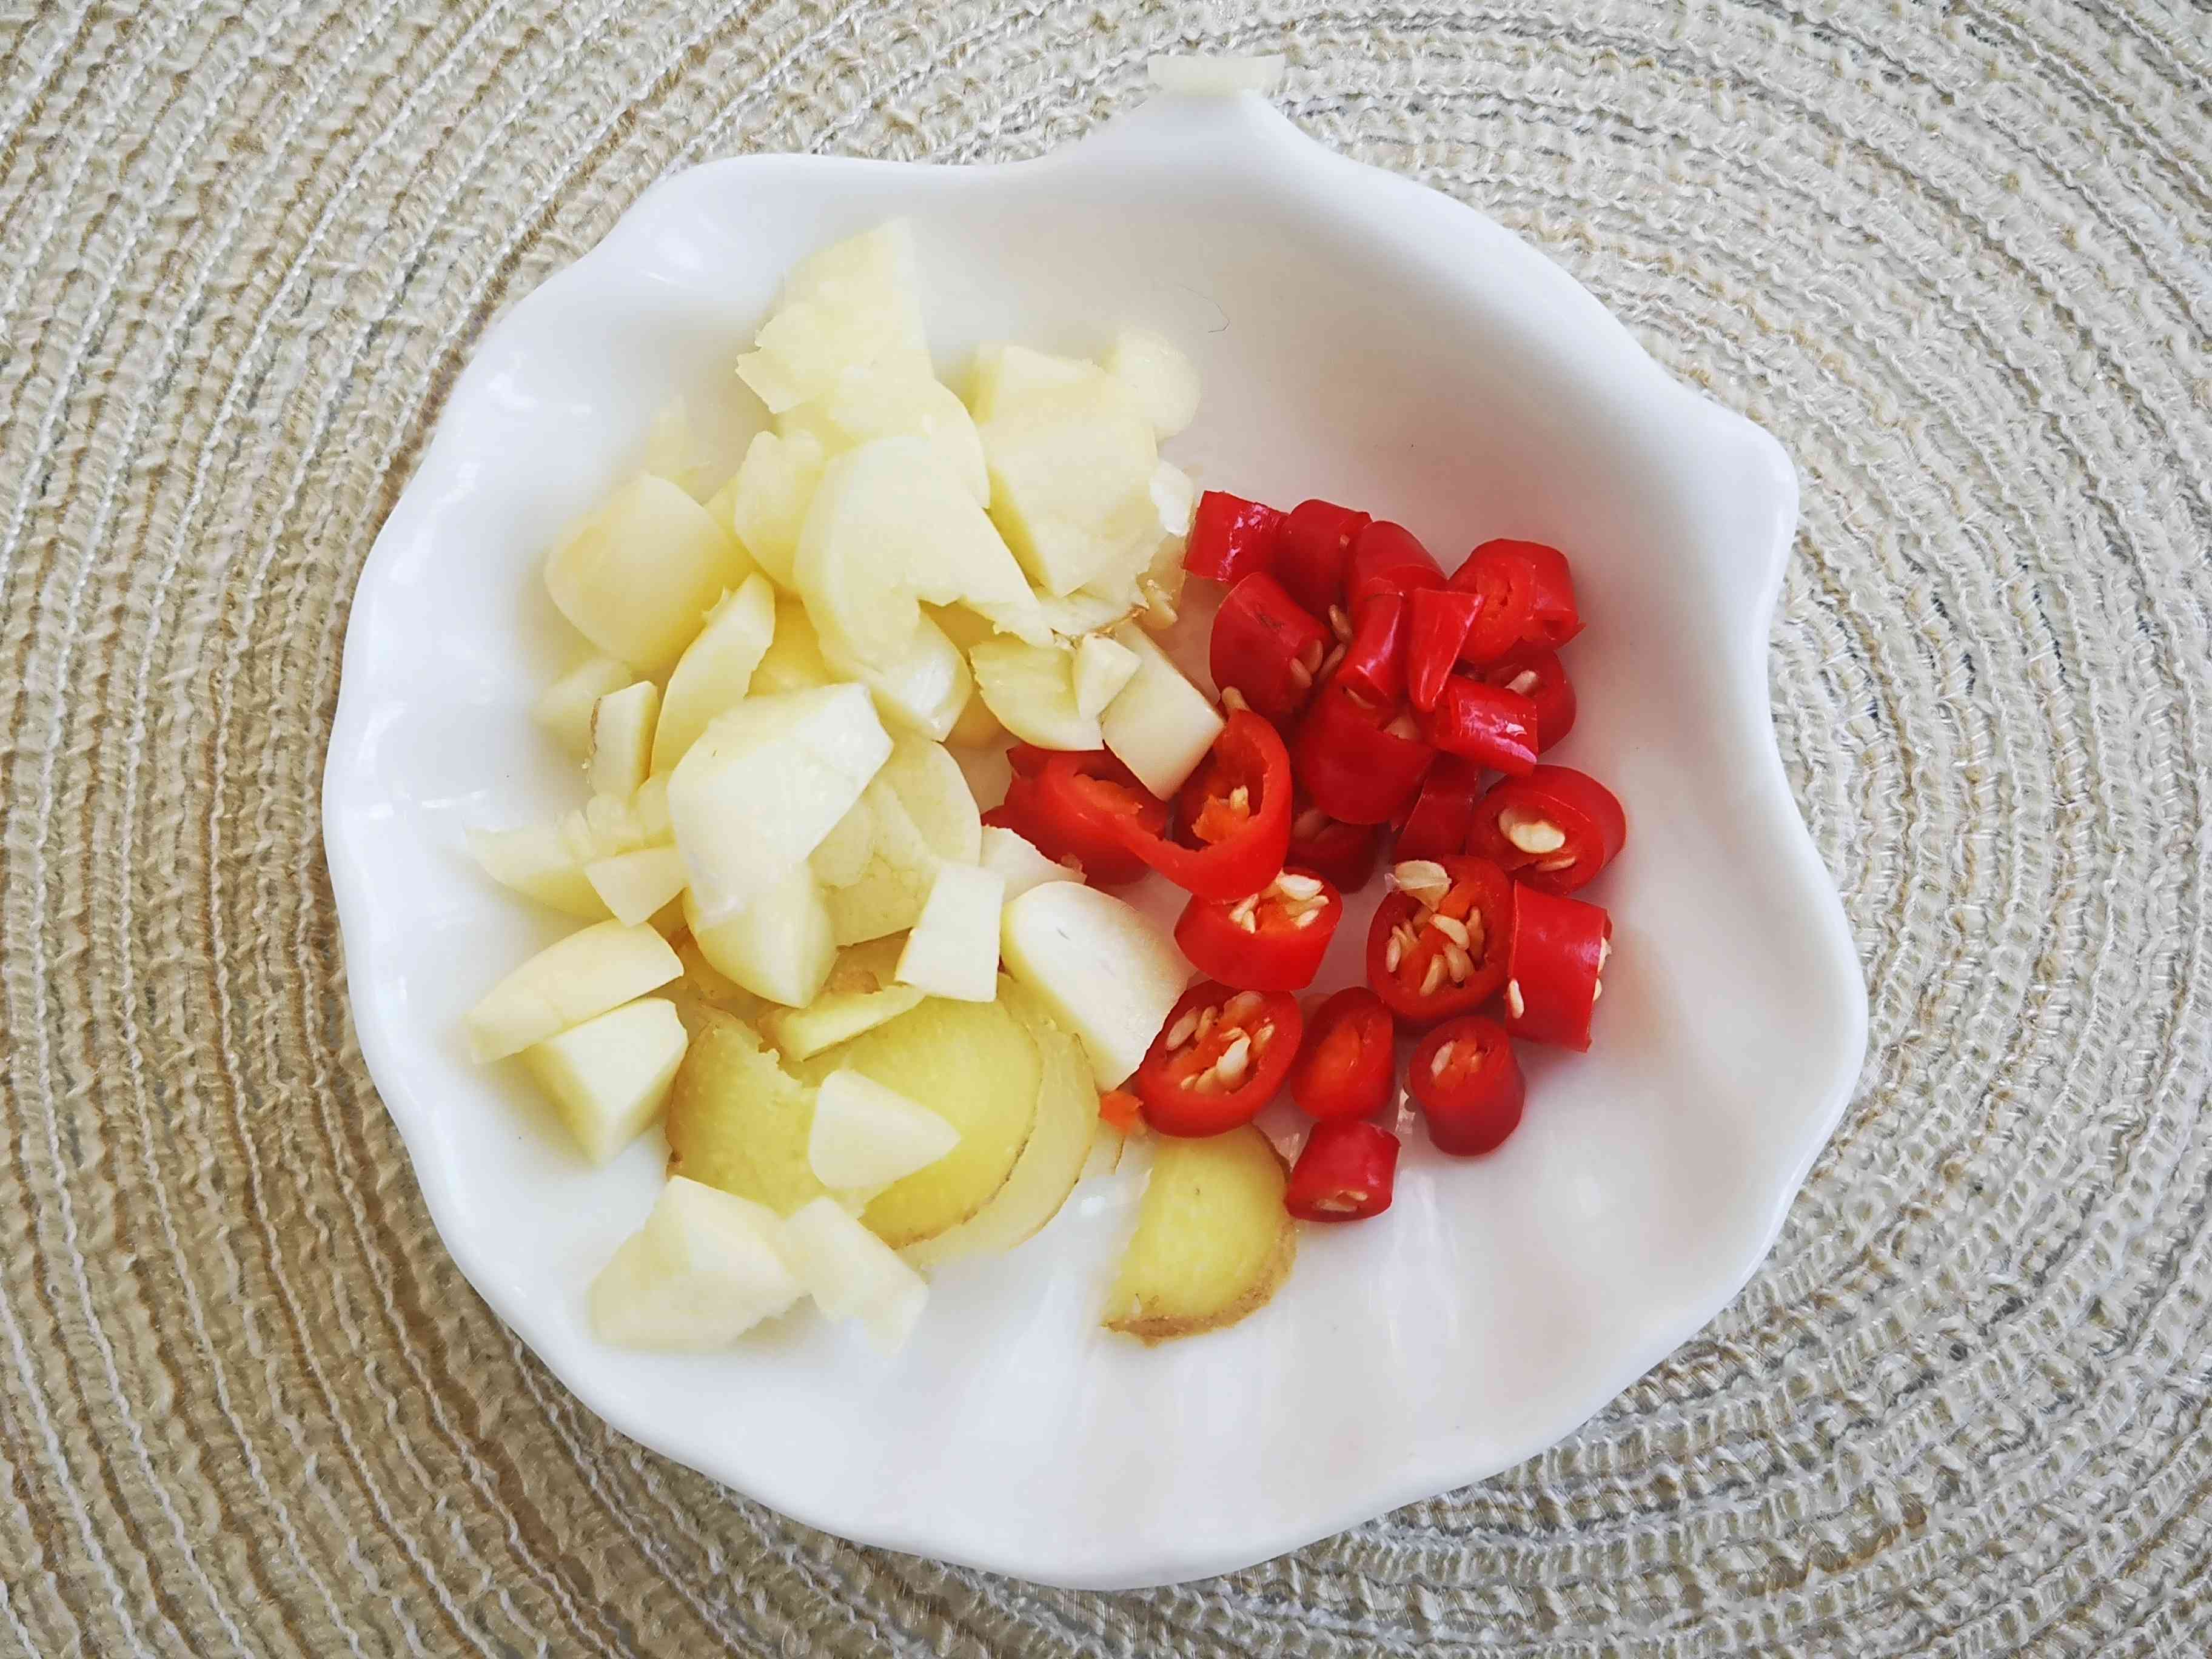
point(1604, 953)
point(1339, 623)
point(1309, 658)
point(1182, 1031)
point(1329, 662)
point(1514, 1006)
point(1451, 927)
point(1425, 879)
point(1566, 863)
point(1393, 954)
point(1241, 1006)
point(1530, 834)
point(1306, 919)
point(1524, 682)
point(1434, 978)
point(1403, 726)
point(1235, 1060)
point(1443, 1059)
point(1205, 1018)
point(1298, 887)
point(1460, 963)
point(1232, 698)
point(1301, 675)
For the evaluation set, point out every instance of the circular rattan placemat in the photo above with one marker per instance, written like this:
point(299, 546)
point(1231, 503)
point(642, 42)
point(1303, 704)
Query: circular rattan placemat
point(1959, 258)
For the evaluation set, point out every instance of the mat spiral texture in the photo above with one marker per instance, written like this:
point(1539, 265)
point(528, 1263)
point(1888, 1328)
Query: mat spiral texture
point(1957, 257)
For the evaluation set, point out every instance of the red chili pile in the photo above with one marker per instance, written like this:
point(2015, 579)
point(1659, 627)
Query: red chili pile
point(1366, 691)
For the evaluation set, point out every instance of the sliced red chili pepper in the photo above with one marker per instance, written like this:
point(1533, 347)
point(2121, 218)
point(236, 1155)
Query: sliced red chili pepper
point(1436, 826)
point(1346, 1173)
point(1266, 646)
point(1358, 762)
point(1555, 828)
point(1468, 1084)
point(1373, 663)
point(1221, 1056)
point(1236, 806)
point(1487, 724)
point(1439, 619)
point(1231, 538)
point(1343, 854)
point(1387, 558)
point(1272, 940)
point(1540, 676)
point(1555, 967)
point(1553, 617)
point(1075, 805)
point(1350, 1057)
point(1488, 574)
point(1120, 1110)
point(1529, 598)
point(1312, 550)
point(1432, 954)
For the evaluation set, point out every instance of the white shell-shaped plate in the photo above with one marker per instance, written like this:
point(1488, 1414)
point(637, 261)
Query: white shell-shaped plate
point(1361, 338)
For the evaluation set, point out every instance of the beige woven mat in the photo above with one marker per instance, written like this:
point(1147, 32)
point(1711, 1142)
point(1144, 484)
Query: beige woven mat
point(1957, 257)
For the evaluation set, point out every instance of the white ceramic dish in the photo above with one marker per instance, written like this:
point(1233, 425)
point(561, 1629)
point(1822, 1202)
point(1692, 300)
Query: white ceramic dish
point(1361, 338)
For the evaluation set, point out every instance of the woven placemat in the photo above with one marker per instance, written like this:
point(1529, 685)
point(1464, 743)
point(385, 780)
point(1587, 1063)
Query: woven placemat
point(1955, 256)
